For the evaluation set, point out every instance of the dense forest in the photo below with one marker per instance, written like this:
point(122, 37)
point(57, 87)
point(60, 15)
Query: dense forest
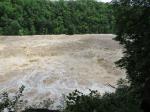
point(133, 93)
point(30, 17)
point(132, 29)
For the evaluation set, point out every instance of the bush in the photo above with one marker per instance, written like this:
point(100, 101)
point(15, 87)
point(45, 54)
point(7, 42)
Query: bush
point(13, 104)
point(123, 100)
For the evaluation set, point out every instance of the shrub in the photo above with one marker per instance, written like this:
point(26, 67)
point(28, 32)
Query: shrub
point(123, 100)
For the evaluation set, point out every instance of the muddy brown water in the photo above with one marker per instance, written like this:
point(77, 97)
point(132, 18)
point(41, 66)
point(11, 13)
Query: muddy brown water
point(52, 65)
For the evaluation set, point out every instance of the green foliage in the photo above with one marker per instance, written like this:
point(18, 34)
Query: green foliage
point(132, 18)
point(45, 104)
point(29, 17)
point(16, 103)
point(123, 100)
point(133, 30)
point(11, 103)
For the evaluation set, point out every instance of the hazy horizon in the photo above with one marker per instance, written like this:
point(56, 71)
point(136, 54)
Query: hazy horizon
point(104, 0)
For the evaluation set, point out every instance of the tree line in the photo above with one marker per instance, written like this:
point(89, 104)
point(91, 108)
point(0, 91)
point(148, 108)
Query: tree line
point(133, 32)
point(30, 17)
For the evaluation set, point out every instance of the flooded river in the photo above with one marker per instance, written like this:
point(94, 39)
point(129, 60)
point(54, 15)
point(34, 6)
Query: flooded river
point(52, 65)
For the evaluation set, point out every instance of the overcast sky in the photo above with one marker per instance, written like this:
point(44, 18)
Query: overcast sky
point(104, 0)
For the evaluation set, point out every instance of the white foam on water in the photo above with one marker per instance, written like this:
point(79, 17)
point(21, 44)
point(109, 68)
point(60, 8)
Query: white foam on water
point(82, 63)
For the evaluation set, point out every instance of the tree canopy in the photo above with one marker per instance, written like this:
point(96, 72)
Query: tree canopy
point(29, 17)
point(133, 30)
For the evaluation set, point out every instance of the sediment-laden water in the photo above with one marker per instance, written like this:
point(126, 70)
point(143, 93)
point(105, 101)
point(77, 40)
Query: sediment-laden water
point(52, 65)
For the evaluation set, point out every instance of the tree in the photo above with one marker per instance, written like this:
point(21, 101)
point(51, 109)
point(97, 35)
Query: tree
point(133, 30)
point(11, 104)
point(30, 17)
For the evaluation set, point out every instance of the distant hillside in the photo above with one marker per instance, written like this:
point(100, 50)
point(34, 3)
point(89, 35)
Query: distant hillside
point(29, 17)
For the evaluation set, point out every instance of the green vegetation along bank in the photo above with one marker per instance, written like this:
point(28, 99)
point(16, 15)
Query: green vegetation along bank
point(37, 17)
